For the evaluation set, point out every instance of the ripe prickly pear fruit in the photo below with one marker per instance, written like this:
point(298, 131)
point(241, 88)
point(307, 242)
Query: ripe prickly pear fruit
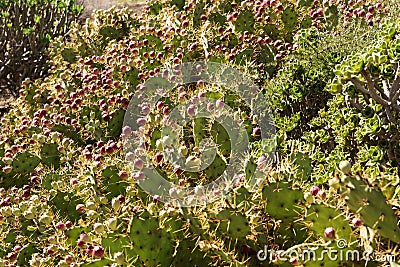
point(330, 233)
point(138, 163)
point(356, 222)
point(345, 167)
point(314, 190)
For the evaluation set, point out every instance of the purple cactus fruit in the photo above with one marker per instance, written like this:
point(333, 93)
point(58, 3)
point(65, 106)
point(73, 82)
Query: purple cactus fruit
point(294, 261)
point(322, 194)
point(314, 190)
point(158, 157)
point(160, 104)
point(127, 131)
point(89, 250)
point(330, 233)
point(261, 161)
point(156, 198)
point(191, 110)
point(68, 224)
point(17, 248)
point(141, 121)
point(80, 243)
point(257, 131)
point(98, 251)
point(84, 237)
point(80, 208)
point(356, 222)
point(130, 156)
point(138, 176)
point(178, 170)
point(145, 109)
point(138, 163)
point(210, 107)
point(61, 226)
point(123, 175)
point(219, 103)
point(201, 94)
point(121, 199)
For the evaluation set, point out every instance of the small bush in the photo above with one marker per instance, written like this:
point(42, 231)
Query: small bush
point(26, 29)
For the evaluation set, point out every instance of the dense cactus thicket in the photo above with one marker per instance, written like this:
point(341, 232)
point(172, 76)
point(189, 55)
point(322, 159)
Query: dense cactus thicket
point(26, 29)
point(318, 187)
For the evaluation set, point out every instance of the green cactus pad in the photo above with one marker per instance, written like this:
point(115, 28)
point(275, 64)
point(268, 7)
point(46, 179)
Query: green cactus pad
point(74, 233)
point(371, 204)
point(25, 162)
point(178, 3)
point(97, 263)
point(49, 178)
point(118, 243)
point(64, 207)
point(153, 245)
point(199, 10)
point(216, 168)
point(50, 155)
point(187, 253)
point(69, 55)
point(251, 167)
point(111, 184)
point(69, 132)
point(282, 202)
point(302, 163)
point(200, 130)
point(221, 138)
point(240, 197)
point(320, 217)
point(114, 126)
point(245, 21)
point(304, 3)
point(289, 17)
point(306, 22)
point(290, 230)
point(25, 255)
point(332, 17)
point(109, 32)
point(233, 223)
point(217, 18)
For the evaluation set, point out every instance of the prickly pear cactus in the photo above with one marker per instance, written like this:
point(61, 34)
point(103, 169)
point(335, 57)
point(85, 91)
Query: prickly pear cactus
point(366, 200)
point(50, 156)
point(154, 246)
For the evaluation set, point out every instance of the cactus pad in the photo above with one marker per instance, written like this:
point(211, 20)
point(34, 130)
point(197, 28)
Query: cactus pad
point(245, 21)
point(25, 163)
point(282, 201)
point(289, 18)
point(233, 223)
point(50, 155)
point(153, 245)
point(112, 185)
point(371, 204)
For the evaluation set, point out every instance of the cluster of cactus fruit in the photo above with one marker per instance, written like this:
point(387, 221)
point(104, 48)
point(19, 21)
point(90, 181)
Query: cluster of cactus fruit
point(69, 197)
